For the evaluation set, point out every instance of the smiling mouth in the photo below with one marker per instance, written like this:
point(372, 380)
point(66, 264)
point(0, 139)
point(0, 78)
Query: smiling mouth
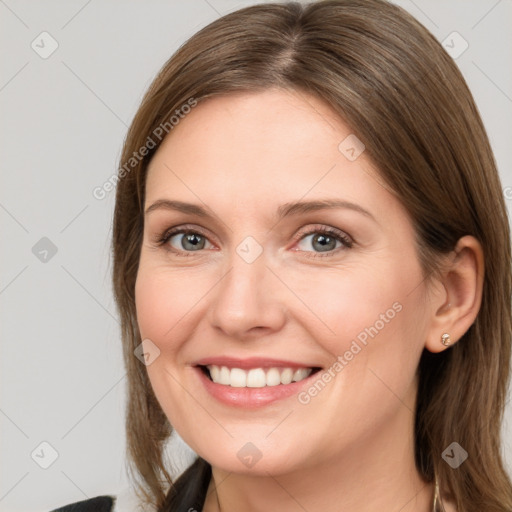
point(256, 377)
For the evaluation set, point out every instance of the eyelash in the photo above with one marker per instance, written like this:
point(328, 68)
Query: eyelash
point(345, 240)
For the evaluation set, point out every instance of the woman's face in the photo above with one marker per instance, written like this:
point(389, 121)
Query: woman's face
point(256, 285)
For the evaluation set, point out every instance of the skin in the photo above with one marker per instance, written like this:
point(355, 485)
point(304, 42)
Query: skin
point(351, 447)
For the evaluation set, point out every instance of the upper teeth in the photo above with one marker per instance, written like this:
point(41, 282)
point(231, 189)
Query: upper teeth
point(256, 377)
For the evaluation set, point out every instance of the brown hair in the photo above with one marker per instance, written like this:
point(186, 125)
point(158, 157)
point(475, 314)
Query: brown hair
point(391, 81)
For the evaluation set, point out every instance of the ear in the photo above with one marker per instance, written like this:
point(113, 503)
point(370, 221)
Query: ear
point(457, 297)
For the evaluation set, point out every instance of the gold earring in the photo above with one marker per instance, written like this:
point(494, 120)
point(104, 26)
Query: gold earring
point(445, 339)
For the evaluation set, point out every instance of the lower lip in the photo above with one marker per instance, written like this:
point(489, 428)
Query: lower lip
point(251, 397)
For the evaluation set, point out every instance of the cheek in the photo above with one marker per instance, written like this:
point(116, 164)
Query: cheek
point(352, 304)
point(152, 300)
point(164, 301)
point(373, 319)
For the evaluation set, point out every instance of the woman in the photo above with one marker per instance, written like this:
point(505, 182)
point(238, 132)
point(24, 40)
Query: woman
point(312, 268)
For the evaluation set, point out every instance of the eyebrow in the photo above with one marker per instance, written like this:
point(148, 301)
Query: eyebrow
point(285, 210)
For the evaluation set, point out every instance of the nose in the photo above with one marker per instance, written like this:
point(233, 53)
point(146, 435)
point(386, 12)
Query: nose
point(248, 300)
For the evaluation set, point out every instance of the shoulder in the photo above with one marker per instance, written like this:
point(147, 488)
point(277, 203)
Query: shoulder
point(126, 500)
point(96, 504)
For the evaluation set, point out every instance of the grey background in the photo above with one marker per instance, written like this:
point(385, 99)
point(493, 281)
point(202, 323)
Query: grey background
point(63, 120)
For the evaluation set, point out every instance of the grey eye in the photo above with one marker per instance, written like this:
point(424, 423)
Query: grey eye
point(321, 242)
point(190, 241)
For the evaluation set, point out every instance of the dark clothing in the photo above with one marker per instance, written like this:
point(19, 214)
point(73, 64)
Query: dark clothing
point(187, 493)
point(97, 504)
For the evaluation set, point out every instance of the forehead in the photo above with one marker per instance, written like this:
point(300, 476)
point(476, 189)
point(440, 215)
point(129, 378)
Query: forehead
point(260, 148)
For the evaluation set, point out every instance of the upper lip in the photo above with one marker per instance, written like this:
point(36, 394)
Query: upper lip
point(251, 362)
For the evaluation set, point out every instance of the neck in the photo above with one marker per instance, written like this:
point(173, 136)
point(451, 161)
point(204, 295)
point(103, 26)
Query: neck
point(376, 473)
